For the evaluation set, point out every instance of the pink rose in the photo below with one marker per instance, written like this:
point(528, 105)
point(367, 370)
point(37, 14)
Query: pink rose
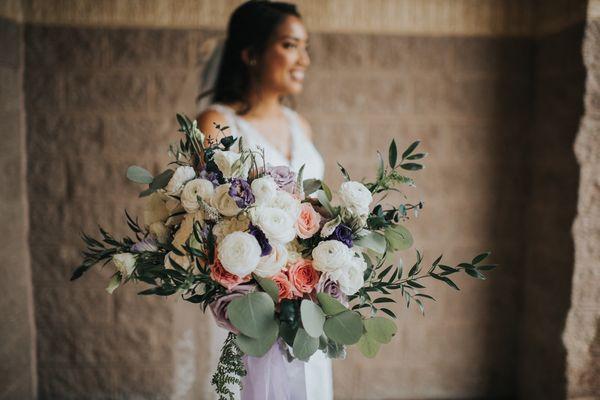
point(284, 285)
point(308, 221)
point(303, 277)
point(227, 279)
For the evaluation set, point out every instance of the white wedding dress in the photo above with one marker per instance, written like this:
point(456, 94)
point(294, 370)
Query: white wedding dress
point(310, 380)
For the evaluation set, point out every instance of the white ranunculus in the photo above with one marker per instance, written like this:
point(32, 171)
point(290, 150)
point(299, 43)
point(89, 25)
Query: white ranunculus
point(180, 177)
point(125, 264)
point(286, 202)
point(272, 263)
point(277, 225)
point(195, 188)
point(229, 225)
point(155, 209)
point(223, 202)
point(239, 253)
point(159, 230)
point(264, 190)
point(183, 261)
point(356, 197)
point(350, 279)
point(331, 255)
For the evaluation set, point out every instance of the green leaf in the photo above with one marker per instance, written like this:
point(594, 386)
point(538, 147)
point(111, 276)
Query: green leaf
point(324, 200)
point(288, 332)
point(368, 346)
point(410, 149)
point(311, 185)
point(162, 179)
point(139, 175)
point(488, 267)
point(411, 166)
point(345, 328)
point(380, 168)
point(252, 314)
point(305, 345)
point(446, 280)
point(330, 305)
point(398, 238)
point(393, 154)
point(268, 286)
point(327, 191)
point(480, 257)
point(374, 241)
point(114, 283)
point(388, 312)
point(380, 329)
point(258, 347)
point(474, 273)
point(344, 172)
point(312, 317)
point(417, 156)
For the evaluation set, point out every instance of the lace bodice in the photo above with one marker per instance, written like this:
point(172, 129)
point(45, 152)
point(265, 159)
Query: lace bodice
point(303, 152)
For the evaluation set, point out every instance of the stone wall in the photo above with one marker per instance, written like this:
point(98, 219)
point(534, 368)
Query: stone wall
point(582, 334)
point(17, 349)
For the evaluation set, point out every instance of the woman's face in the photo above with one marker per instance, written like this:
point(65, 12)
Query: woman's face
point(285, 59)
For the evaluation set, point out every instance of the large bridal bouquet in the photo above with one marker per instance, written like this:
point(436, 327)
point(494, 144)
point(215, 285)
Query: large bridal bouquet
point(274, 257)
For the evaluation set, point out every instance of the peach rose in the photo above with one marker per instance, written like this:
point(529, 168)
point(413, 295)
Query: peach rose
point(303, 277)
point(284, 285)
point(308, 221)
point(227, 279)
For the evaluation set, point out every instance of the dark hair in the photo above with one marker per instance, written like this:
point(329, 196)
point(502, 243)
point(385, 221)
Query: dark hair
point(250, 27)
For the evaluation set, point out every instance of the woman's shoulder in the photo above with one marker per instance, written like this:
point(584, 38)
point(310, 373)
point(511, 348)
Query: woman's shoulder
point(212, 120)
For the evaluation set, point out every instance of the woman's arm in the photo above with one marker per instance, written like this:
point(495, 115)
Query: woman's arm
point(208, 123)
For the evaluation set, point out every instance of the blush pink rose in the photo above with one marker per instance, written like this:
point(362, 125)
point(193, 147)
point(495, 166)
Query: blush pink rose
point(284, 285)
point(308, 221)
point(227, 279)
point(303, 277)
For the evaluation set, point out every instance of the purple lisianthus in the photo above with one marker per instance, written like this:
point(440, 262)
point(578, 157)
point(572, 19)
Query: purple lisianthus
point(148, 244)
point(343, 233)
point(265, 247)
point(332, 288)
point(219, 306)
point(284, 177)
point(240, 192)
point(213, 177)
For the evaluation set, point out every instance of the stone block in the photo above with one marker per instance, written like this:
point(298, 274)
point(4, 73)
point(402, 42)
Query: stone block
point(334, 52)
point(389, 52)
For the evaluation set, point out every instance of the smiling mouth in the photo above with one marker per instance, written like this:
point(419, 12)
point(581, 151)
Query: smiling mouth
point(297, 75)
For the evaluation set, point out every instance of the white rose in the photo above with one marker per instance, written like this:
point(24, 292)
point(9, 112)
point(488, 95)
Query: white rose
point(180, 177)
point(264, 190)
point(155, 209)
point(272, 263)
point(356, 197)
point(192, 190)
point(277, 225)
point(185, 230)
point(227, 226)
point(239, 253)
point(183, 261)
point(159, 230)
point(223, 202)
point(125, 264)
point(331, 255)
point(286, 202)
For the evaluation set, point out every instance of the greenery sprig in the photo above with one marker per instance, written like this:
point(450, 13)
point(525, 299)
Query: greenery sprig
point(230, 369)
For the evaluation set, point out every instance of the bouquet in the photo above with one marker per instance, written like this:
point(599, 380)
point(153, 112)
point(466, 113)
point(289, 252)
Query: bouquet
point(273, 256)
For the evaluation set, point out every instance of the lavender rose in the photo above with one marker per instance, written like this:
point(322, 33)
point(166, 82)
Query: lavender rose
point(219, 306)
point(284, 177)
point(332, 288)
point(240, 192)
point(148, 244)
point(342, 233)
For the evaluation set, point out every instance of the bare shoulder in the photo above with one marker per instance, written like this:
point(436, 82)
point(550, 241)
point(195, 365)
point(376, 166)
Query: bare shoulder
point(208, 121)
point(305, 125)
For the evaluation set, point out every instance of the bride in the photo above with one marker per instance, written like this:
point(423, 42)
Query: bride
point(264, 59)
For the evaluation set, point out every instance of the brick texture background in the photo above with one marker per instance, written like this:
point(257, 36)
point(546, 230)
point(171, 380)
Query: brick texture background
point(498, 117)
point(17, 367)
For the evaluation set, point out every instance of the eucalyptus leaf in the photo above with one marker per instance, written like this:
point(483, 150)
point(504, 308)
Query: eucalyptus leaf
point(258, 347)
point(368, 346)
point(330, 305)
point(311, 186)
point(374, 241)
point(305, 345)
point(252, 314)
point(380, 329)
point(268, 286)
point(345, 328)
point(398, 238)
point(312, 317)
point(139, 175)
